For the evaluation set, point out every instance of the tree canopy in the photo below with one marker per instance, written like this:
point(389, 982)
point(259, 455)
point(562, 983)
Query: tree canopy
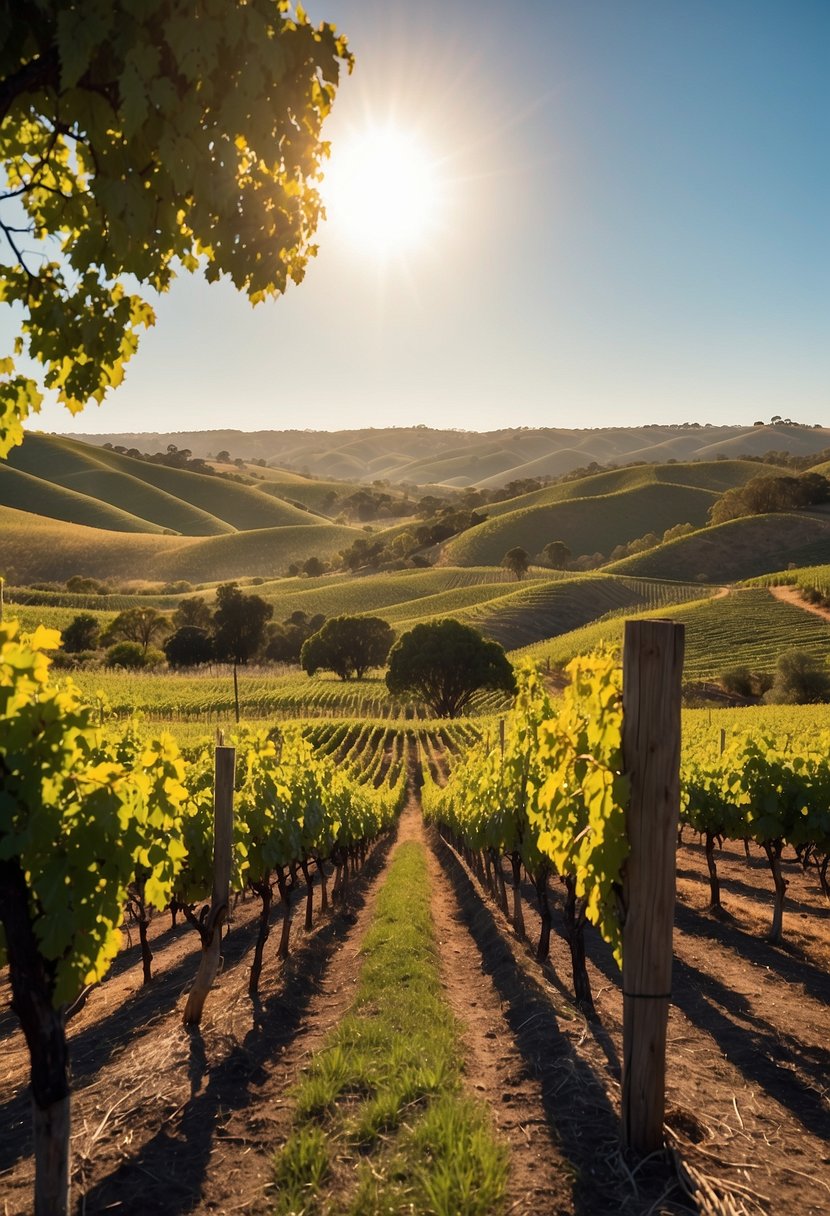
point(517, 560)
point(444, 664)
point(239, 624)
point(765, 494)
point(348, 646)
point(138, 137)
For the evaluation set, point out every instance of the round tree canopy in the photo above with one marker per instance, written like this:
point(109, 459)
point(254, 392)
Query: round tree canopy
point(444, 664)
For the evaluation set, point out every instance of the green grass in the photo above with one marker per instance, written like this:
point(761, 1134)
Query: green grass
point(715, 476)
point(386, 1087)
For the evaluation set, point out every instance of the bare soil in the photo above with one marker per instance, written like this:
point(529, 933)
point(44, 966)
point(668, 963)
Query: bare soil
point(168, 1121)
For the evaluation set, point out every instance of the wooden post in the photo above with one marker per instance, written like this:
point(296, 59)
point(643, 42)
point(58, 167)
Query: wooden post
point(236, 693)
point(652, 678)
point(722, 740)
point(222, 854)
point(501, 736)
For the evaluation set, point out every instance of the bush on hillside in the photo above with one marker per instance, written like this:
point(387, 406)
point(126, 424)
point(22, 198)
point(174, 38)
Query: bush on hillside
point(800, 679)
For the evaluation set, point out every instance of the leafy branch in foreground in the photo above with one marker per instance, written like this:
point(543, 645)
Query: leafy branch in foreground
point(138, 137)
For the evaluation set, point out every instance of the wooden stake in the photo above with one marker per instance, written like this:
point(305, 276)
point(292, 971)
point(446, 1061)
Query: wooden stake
point(652, 679)
point(222, 855)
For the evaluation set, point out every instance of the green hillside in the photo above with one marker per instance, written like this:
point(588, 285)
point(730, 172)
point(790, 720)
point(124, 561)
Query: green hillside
point(85, 469)
point(546, 608)
point(717, 476)
point(35, 549)
point(191, 503)
point(737, 550)
point(587, 525)
point(27, 493)
point(747, 627)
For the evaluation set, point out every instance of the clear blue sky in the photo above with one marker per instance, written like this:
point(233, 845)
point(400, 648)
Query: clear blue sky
point(634, 229)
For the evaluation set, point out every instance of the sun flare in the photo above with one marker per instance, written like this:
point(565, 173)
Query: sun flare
point(382, 191)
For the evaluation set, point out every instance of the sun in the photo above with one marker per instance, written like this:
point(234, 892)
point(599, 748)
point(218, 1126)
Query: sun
point(383, 191)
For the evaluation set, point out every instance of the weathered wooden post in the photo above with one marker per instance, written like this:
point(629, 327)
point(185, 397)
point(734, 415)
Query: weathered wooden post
point(652, 678)
point(211, 930)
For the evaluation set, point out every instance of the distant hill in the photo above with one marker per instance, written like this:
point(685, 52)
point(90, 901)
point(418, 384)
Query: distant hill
point(421, 455)
point(595, 514)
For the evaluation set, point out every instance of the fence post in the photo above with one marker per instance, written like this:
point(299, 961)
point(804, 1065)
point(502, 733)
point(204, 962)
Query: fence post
point(652, 679)
point(225, 766)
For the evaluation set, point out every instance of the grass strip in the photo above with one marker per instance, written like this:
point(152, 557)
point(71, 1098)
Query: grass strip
point(382, 1126)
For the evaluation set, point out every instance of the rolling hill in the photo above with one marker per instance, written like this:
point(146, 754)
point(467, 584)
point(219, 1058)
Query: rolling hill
point(587, 525)
point(175, 499)
point(419, 454)
point(737, 550)
point(34, 549)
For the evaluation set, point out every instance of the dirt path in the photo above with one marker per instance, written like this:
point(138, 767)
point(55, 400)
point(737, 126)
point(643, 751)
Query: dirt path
point(790, 595)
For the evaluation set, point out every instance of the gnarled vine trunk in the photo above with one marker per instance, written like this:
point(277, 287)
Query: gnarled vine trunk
point(32, 981)
point(773, 850)
point(575, 937)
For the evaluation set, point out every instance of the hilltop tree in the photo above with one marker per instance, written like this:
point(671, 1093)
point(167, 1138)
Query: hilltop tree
point(137, 137)
point(444, 664)
point(518, 561)
point(348, 646)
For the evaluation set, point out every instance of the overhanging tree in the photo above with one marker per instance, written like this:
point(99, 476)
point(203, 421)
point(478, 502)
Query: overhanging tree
point(444, 664)
point(138, 137)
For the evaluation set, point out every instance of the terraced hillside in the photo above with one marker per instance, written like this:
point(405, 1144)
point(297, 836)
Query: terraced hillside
point(746, 627)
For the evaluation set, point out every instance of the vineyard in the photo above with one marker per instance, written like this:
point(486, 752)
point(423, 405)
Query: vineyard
point(524, 884)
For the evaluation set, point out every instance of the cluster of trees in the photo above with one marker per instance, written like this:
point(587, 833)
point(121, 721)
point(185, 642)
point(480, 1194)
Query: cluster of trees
point(411, 547)
point(798, 679)
point(764, 494)
point(234, 631)
point(175, 458)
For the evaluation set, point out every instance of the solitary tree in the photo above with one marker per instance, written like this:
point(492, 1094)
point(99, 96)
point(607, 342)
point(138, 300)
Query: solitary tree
point(557, 554)
point(444, 664)
point(348, 646)
point(138, 136)
point(800, 679)
point(517, 560)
